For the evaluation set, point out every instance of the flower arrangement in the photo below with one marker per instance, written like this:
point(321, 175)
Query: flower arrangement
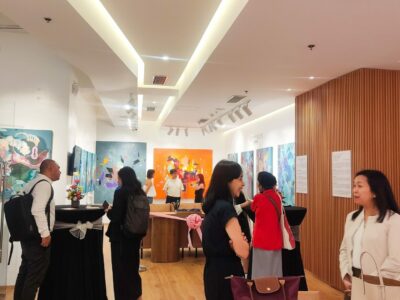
point(74, 192)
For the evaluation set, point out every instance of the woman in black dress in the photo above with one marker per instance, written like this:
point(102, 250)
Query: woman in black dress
point(199, 189)
point(224, 244)
point(125, 247)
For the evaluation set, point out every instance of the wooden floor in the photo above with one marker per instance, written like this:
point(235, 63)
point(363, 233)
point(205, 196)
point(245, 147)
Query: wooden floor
point(183, 279)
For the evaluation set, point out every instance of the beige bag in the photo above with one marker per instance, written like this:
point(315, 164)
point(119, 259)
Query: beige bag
point(370, 287)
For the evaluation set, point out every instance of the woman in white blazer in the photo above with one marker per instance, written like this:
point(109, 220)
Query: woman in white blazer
point(373, 228)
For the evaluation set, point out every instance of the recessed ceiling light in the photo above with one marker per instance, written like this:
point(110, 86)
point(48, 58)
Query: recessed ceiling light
point(311, 77)
point(154, 102)
point(289, 90)
point(165, 57)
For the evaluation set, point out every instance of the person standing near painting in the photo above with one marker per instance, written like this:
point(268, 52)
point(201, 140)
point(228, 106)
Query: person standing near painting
point(199, 189)
point(148, 187)
point(173, 188)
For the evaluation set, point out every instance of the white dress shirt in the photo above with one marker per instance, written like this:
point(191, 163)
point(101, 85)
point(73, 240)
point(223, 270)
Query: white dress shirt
point(41, 195)
point(173, 187)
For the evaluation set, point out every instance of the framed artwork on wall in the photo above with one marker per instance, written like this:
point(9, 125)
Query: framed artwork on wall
point(286, 175)
point(264, 160)
point(247, 162)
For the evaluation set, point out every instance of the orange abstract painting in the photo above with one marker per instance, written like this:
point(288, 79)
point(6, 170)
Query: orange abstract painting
point(188, 163)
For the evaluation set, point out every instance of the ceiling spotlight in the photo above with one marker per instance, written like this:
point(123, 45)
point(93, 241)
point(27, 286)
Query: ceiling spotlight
point(220, 123)
point(186, 132)
point(247, 110)
point(210, 127)
point(239, 114)
point(231, 117)
point(170, 131)
point(177, 132)
point(203, 131)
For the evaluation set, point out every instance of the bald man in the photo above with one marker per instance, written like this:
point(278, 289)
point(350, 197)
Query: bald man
point(36, 253)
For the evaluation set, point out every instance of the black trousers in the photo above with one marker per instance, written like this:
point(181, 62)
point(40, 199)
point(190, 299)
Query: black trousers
point(171, 199)
point(125, 265)
point(35, 261)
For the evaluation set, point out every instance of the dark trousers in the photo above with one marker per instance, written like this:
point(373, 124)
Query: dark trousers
point(175, 200)
point(125, 265)
point(35, 261)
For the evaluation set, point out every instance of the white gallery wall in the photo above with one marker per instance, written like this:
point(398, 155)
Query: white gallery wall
point(35, 93)
point(274, 129)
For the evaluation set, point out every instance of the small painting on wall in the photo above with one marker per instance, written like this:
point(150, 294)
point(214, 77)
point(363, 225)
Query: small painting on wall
point(264, 160)
point(286, 163)
point(247, 162)
point(233, 157)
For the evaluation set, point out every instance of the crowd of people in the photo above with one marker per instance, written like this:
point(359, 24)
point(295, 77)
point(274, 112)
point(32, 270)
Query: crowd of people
point(231, 244)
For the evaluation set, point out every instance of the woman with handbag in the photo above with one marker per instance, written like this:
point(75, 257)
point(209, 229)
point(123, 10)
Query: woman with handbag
point(374, 228)
point(125, 246)
point(267, 235)
point(224, 244)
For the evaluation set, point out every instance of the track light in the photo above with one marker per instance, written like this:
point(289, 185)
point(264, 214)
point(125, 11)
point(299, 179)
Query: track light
point(170, 131)
point(210, 127)
point(220, 123)
point(247, 110)
point(177, 132)
point(231, 117)
point(186, 132)
point(239, 114)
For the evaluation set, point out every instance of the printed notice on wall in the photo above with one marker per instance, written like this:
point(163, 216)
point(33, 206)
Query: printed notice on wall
point(341, 174)
point(301, 174)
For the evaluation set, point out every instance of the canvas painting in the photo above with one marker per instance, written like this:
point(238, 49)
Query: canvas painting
point(286, 175)
point(264, 160)
point(188, 163)
point(84, 168)
point(247, 162)
point(233, 157)
point(23, 150)
point(112, 156)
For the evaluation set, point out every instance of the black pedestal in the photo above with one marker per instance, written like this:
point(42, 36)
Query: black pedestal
point(292, 263)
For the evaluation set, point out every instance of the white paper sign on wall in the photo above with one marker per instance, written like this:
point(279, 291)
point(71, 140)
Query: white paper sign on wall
point(301, 174)
point(341, 174)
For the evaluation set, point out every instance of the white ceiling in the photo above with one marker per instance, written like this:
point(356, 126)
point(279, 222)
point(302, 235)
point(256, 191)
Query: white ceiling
point(264, 52)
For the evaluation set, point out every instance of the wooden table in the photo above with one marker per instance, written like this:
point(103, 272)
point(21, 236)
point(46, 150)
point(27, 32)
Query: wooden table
point(165, 235)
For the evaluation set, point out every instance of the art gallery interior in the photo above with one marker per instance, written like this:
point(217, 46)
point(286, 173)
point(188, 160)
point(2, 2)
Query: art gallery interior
point(141, 83)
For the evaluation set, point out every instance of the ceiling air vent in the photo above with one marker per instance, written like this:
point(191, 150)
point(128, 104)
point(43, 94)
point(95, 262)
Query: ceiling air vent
point(159, 79)
point(201, 121)
point(150, 108)
point(236, 99)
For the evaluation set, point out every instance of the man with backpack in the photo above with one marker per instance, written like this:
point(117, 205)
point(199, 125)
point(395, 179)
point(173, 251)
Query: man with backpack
point(36, 251)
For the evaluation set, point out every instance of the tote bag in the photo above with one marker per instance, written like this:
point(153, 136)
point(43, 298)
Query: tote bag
point(370, 287)
point(265, 288)
point(289, 242)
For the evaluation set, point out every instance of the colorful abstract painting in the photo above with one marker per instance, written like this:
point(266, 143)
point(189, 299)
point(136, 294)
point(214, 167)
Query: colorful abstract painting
point(112, 156)
point(84, 168)
point(233, 157)
point(188, 163)
point(23, 150)
point(247, 162)
point(286, 175)
point(264, 160)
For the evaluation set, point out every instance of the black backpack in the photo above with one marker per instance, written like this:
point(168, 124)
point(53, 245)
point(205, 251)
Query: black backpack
point(137, 215)
point(19, 218)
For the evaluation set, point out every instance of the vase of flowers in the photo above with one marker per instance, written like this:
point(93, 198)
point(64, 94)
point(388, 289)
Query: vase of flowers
point(74, 193)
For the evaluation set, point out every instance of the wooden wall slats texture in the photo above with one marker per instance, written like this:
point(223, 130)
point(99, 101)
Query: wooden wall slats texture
point(359, 111)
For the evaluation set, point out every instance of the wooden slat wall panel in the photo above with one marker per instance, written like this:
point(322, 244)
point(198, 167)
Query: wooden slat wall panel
point(359, 111)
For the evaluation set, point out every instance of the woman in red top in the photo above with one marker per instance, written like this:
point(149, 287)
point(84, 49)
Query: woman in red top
point(267, 235)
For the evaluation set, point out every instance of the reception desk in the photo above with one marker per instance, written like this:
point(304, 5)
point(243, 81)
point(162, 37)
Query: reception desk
point(167, 231)
point(76, 270)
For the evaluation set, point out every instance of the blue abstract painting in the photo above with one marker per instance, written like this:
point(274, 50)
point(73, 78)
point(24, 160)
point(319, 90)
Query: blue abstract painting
point(286, 176)
point(23, 150)
point(112, 156)
point(233, 157)
point(247, 162)
point(84, 168)
point(264, 160)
